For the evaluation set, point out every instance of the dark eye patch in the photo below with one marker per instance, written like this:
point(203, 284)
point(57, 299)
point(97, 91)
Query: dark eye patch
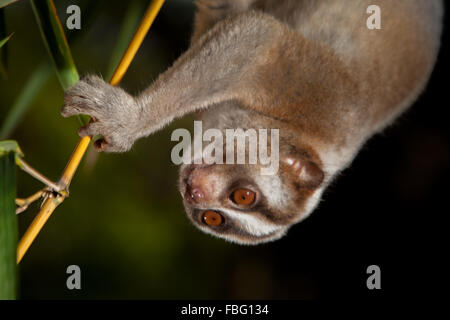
point(231, 229)
point(243, 197)
point(226, 224)
point(243, 184)
point(212, 218)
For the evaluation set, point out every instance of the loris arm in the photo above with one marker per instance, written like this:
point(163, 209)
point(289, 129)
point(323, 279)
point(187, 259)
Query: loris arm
point(227, 63)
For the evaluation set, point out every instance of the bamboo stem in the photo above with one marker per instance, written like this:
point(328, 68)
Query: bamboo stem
point(47, 209)
point(74, 161)
point(50, 204)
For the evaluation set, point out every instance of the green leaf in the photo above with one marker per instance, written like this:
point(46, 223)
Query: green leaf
point(129, 24)
point(3, 52)
point(3, 56)
point(7, 146)
point(22, 103)
point(4, 3)
point(56, 44)
point(55, 41)
point(3, 41)
point(35, 82)
point(8, 221)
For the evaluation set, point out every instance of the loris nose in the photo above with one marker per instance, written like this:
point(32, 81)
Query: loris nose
point(196, 194)
point(199, 185)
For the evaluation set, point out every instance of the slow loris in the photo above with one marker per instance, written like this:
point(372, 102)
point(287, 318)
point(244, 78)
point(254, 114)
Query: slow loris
point(311, 68)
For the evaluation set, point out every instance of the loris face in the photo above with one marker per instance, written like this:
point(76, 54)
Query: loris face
point(237, 203)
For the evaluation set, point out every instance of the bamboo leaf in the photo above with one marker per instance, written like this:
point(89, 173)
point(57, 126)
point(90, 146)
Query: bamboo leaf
point(4, 3)
point(3, 52)
point(128, 27)
point(34, 84)
point(11, 146)
point(3, 41)
point(7, 146)
point(56, 44)
point(55, 41)
point(32, 87)
point(8, 222)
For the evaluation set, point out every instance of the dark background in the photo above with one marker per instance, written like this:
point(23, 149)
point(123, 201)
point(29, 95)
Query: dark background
point(124, 223)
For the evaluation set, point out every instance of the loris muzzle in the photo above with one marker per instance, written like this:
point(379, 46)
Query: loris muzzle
point(311, 69)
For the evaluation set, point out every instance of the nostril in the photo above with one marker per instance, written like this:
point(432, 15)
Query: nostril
point(194, 195)
point(197, 194)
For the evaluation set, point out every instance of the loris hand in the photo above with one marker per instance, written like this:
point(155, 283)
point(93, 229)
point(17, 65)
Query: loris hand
point(114, 113)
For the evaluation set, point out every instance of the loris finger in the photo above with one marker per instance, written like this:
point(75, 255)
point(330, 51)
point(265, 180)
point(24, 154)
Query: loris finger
point(94, 81)
point(74, 105)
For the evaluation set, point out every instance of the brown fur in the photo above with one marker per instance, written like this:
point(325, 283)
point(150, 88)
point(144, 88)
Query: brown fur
point(310, 68)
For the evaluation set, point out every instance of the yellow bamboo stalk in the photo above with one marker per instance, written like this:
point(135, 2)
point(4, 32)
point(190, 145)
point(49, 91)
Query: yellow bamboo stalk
point(74, 161)
point(51, 203)
point(47, 209)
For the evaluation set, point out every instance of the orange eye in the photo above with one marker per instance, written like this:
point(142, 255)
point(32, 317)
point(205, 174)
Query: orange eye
point(243, 197)
point(212, 218)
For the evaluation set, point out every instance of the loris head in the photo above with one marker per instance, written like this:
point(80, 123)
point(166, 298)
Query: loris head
point(236, 202)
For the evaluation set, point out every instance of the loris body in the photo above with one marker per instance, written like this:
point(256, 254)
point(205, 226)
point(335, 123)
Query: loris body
point(310, 68)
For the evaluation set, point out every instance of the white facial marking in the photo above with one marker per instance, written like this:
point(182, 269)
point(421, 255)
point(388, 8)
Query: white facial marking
point(273, 189)
point(252, 224)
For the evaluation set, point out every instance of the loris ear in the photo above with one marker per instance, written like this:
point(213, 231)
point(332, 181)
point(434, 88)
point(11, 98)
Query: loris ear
point(309, 175)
